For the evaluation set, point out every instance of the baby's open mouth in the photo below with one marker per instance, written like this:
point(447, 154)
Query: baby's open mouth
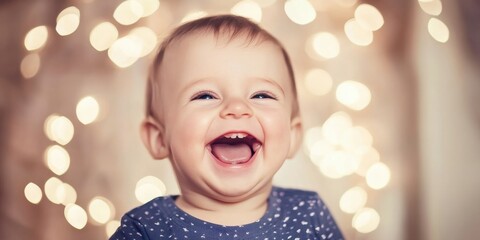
point(234, 148)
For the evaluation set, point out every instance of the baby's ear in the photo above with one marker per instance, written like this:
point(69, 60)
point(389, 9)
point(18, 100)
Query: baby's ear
point(153, 136)
point(296, 135)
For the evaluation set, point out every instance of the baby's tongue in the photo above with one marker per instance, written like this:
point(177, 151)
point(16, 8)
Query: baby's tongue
point(232, 153)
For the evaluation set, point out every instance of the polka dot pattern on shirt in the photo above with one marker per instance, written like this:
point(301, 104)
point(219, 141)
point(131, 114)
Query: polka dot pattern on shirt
point(291, 214)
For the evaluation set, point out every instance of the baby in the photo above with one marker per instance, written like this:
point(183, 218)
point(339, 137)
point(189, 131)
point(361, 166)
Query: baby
point(222, 107)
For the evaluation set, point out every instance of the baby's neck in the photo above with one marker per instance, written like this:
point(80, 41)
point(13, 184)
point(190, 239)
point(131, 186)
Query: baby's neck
point(224, 213)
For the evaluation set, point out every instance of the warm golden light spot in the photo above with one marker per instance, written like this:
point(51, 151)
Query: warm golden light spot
point(357, 34)
point(36, 38)
point(432, 7)
point(148, 188)
point(33, 193)
point(335, 126)
point(319, 150)
point(325, 45)
point(338, 164)
point(318, 82)
point(438, 30)
point(300, 11)
point(87, 110)
point(68, 21)
point(311, 136)
point(378, 176)
point(30, 65)
point(57, 159)
point(59, 129)
point(146, 38)
point(47, 126)
point(356, 138)
point(76, 216)
point(354, 95)
point(54, 190)
point(367, 159)
point(128, 12)
point(353, 199)
point(368, 17)
point(194, 15)
point(125, 51)
point(111, 227)
point(101, 210)
point(345, 3)
point(265, 3)
point(103, 35)
point(149, 6)
point(68, 194)
point(249, 9)
point(366, 220)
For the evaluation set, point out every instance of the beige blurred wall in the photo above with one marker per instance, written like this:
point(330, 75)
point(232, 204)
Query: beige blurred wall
point(449, 90)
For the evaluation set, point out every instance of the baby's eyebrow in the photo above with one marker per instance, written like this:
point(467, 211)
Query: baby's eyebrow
point(195, 82)
point(271, 82)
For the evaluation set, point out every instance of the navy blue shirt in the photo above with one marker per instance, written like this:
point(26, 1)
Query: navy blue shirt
point(291, 214)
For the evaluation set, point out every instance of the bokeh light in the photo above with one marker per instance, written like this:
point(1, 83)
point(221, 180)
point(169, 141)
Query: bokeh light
point(335, 127)
point(87, 110)
point(103, 35)
point(128, 12)
point(325, 45)
point(125, 51)
point(265, 3)
point(378, 175)
point(33, 193)
point(193, 15)
point(353, 94)
point(353, 199)
point(54, 190)
point(319, 150)
point(311, 136)
point(149, 6)
point(101, 210)
point(368, 17)
point(356, 138)
point(36, 38)
point(438, 30)
point(30, 65)
point(146, 38)
point(366, 220)
point(370, 157)
point(345, 3)
point(300, 11)
point(338, 164)
point(67, 194)
point(318, 82)
point(148, 188)
point(432, 7)
point(57, 159)
point(75, 215)
point(249, 9)
point(357, 34)
point(59, 129)
point(68, 21)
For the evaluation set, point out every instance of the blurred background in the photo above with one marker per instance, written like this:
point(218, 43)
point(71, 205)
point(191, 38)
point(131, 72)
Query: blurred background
point(389, 93)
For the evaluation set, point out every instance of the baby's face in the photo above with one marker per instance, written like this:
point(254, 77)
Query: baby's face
point(227, 113)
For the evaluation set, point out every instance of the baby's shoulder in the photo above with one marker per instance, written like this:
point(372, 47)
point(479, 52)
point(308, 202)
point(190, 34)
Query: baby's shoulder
point(155, 208)
point(296, 197)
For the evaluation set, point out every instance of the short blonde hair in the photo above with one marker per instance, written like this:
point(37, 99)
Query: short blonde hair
point(230, 26)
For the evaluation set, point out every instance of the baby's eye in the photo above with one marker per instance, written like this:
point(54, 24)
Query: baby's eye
point(263, 95)
point(204, 96)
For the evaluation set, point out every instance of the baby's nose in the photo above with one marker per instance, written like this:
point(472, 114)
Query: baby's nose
point(236, 108)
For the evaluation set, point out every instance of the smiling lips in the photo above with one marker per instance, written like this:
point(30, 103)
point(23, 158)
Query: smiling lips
point(234, 148)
